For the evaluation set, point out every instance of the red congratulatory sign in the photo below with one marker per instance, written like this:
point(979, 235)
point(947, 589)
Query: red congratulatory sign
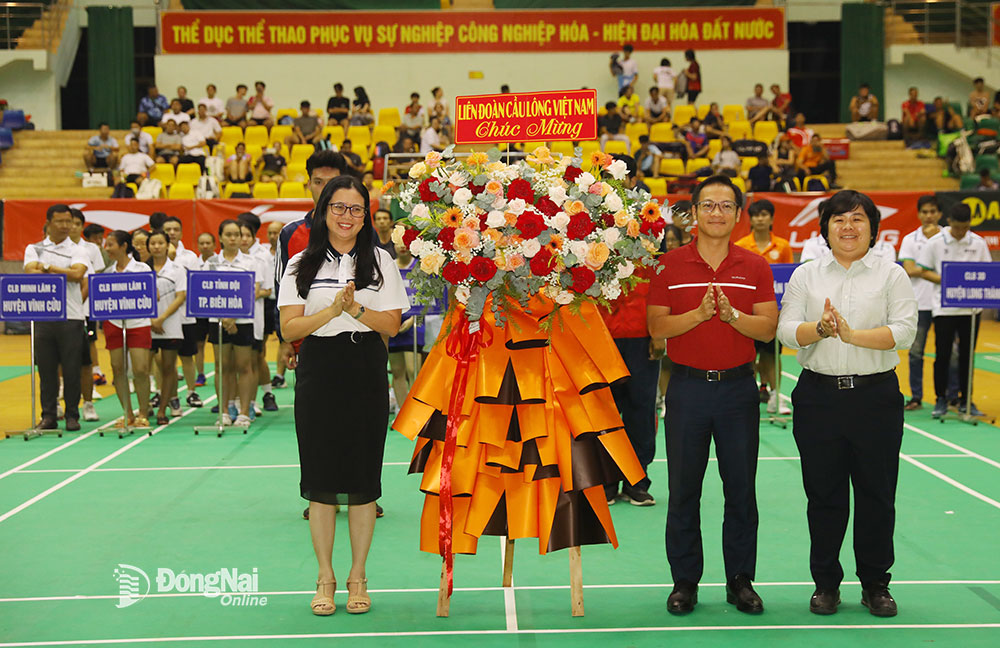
point(532, 117)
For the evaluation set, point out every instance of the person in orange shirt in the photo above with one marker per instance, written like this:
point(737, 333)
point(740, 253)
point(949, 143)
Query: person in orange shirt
point(761, 240)
point(814, 160)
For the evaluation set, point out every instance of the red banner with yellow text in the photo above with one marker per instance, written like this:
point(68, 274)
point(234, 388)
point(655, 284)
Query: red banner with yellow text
point(532, 117)
point(435, 32)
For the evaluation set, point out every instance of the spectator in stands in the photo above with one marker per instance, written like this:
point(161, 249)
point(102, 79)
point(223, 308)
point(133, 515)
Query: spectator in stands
point(665, 78)
point(236, 108)
point(814, 160)
point(757, 106)
point(375, 193)
point(102, 149)
point(412, 120)
point(628, 104)
point(693, 74)
point(361, 108)
point(383, 231)
point(656, 107)
point(715, 127)
point(186, 104)
point(136, 133)
point(647, 158)
point(207, 127)
point(864, 105)
point(986, 183)
point(338, 108)
point(610, 126)
point(152, 106)
point(726, 161)
point(306, 129)
point(351, 159)
point(781, 104)
point(194, 147)
point(271, 166)
point(214, 107)
point(798, 134)
point(238, 166)
point(430, 139)
point(979, 99)
point(942, 118)
point(169, 144)
point(438, 106)
point(761, 177)
point(175, 113)
point(626, 70)
point(135, 164)
point(783, 159)
point(914, 117)
point(696, 139)
point(260, 107)
point(399, 166)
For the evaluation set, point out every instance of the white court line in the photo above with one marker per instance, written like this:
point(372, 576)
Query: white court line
point(993, 358)
point(541, 631)
point(953, 446)
point(509, 600)
point(100, 462)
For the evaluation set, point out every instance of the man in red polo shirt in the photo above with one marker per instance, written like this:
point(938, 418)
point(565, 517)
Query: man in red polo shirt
point(914, 117)
point(711, 300)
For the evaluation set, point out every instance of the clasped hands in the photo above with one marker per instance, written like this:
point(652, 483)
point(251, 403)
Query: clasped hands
point(833, 324)
point(343, 301)
point(715, 301)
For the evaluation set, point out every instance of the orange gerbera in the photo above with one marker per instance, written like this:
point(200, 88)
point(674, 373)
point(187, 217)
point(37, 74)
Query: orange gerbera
point(596, 159)
point(651, 211)
point(555, 244)
point(477, 158)
point(452, 217)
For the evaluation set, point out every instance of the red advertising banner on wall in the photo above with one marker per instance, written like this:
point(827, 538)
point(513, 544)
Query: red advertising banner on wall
point(534, 117)
point(436, 32)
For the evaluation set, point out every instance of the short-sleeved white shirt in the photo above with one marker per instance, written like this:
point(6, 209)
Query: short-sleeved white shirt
point(944, 247)
point(177, 118)
point(240, 263)
point(189, 261)
point(909, 249)
point(133, 266)
point(332, 277)
point(95, 263)
point(214, 107)
point(265, 263)
point(170, 280)
point(665, 77)
point(65, 255)
point(817, 247)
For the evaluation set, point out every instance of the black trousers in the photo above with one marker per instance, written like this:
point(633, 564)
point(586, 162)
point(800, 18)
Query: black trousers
point(946, 327)
point(59, 344)
point(849, 437)
point(697, 412)
point(636, 400)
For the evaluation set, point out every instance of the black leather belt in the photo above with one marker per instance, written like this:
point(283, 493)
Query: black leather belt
point(713, 375)
point(357, 337)
point(848, 382)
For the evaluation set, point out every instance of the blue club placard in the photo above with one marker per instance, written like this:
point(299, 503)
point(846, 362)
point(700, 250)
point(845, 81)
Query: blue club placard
point(970, 285)
point(220, 294)
point(122, 295)
point(32, 297)
point(782, 273)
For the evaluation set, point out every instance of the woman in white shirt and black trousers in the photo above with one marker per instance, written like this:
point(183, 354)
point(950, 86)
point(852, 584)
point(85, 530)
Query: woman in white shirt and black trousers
point(342, 294)
point(848, 313)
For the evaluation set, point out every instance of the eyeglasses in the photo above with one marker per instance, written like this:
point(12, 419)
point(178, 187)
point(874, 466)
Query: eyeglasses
point(726, 206)
point(339, 209)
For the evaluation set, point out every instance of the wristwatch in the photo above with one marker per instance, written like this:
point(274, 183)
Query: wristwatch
point(45, 267)
point(361, 311)
point(736, 316)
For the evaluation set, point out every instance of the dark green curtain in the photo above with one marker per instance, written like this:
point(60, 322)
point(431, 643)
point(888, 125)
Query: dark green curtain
point(110, 66)
point(862, 53)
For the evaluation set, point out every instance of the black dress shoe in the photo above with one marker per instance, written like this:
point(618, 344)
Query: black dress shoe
point(739, 592)
point(878, 600)
point(683, 599)
point(47, 424)
point(824, 601)
point(72, 425)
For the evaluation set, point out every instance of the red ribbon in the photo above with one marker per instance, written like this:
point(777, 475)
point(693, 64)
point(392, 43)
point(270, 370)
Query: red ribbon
point(463, 345)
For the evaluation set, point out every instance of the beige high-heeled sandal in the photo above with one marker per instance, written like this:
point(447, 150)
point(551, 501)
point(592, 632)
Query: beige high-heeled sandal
point(323, 605)
point(358, 601)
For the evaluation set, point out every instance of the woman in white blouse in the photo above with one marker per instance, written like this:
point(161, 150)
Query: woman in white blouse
point(849, 313)
point(167, 333)
point(341, 295)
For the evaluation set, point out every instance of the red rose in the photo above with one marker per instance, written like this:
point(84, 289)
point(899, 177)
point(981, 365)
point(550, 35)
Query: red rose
point(476, 189)
point(608, 220)
point(542, 263)
point(455, 271)
point(530, 224)
point(652, 228)
point(571, 173)
point(482, 222)
point(583, 278)
point(482, 269)
point(426, 193)
point(409, 236)
point(521, 188)
point(447, 237)
point(579, 226)
point(546, 206)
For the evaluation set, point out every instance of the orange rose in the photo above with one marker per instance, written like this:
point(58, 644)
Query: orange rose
point(493, 235)
point(513, 262)
point(471, 222)
point(465, 239)
point(574, 207)
point(632, 228)
point(511, 218)
point(541, 155)
point(464, 257)
point(621, 218)
point(596, 255)
point(494, 187)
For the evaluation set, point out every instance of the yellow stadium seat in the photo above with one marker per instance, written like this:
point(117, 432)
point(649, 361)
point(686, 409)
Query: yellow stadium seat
point(301, 153)
point(377, 184)
point(154, 131)
point(765, 131)
point(389, 117)
point(672, 167)
point(683, 114)
point(733, 112)
point(254, 151)
point(616, 147)
point(822, 179)
point(265, 190)
point(235, 187)
point(279, 133)
point(747, 163)
point(181, 191)
point(296, 172)
point(133, 186)
point(385, 133)
point(286, 112)
point(566, 148)
point(231, 136)
point(662, 132)
point(360, 137)
point(657, 186)
point(694, 164)
point(714, 146)
point(336, 134)
point(738, 181)
point(256, 136)
point(635, 129)
point(703, 110)
point(291, 190)
point(739, 130)
point(188, 173)
point(164, 173)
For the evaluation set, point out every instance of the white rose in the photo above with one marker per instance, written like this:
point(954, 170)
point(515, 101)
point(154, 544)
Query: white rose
point(417, 246)
point(495, 219)
point(531, 247)
point(420, 211)
point(517, 206)
point(397, 235)
point(610, 236)
point(579, 249)
point(564, 297)
point(625, 270)
point(499, 203)
point(584, 180)
point(458, 179)
point(418, 170)
point(618, 169)
point(462, 197)
point(611, 290)
point(557, 194)
point(613, 202)
point(462, 294)
point(560, 222)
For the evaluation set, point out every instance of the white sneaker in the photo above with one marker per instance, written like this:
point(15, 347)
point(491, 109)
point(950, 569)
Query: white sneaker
point(60, 412)
point(89, 413)
point(772, 403)
point(256, 408)
point(96, 395)
point(227, 420)
point(242, 421)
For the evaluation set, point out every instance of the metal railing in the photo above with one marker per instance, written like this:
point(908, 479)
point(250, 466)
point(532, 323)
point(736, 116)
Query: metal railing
point(18, 17)
point(962, 23)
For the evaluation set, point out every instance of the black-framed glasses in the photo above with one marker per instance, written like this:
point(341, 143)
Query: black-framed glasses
point(339, 209)
point(725, 206)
